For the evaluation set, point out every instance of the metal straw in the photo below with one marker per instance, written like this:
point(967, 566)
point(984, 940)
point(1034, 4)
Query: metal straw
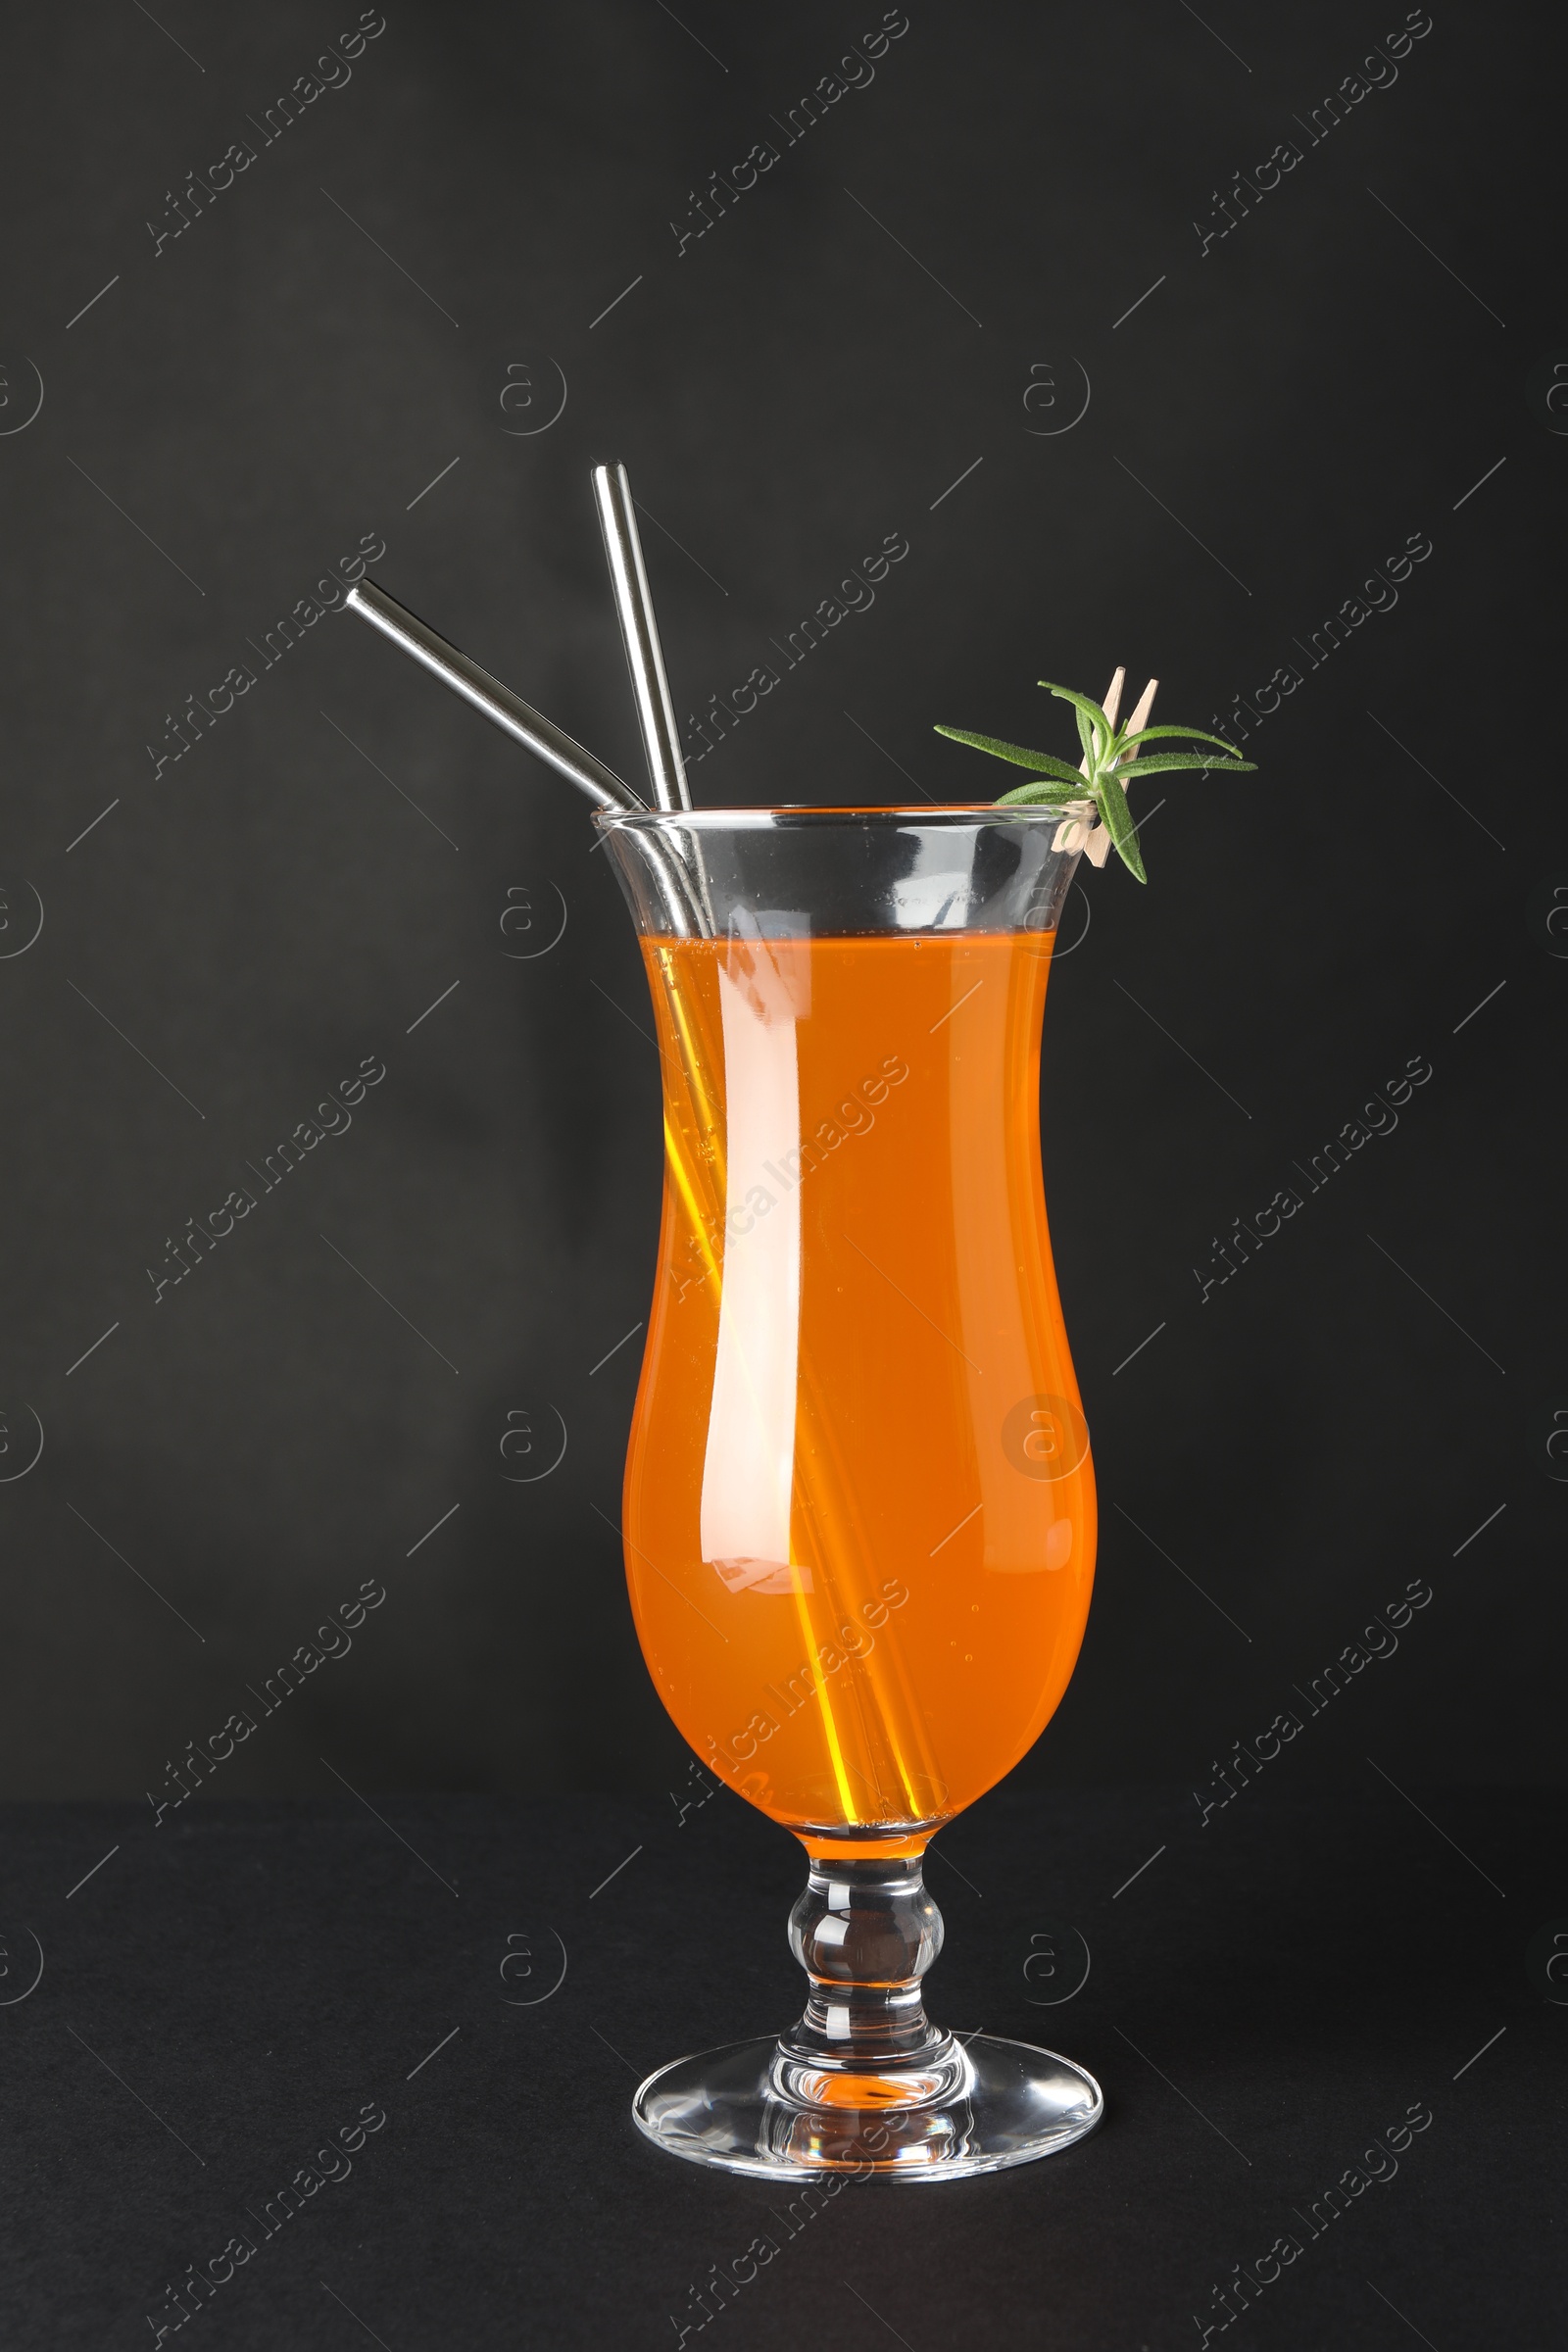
point(634, 606)
point(487, 695)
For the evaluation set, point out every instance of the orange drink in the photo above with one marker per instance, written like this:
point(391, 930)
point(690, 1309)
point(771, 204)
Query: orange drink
point(859, 1510)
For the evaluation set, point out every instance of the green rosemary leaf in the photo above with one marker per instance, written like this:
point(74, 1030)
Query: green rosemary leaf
point(1101, 730)
point(1087, 737)
point(1043, 762)
point(1119, 823)
point(1043, 794)
point(1163, 761)
point(1187, 735)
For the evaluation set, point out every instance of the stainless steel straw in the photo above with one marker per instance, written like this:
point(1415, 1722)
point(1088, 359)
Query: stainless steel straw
point(634, 606)
point(684, 901)
point(497, 702)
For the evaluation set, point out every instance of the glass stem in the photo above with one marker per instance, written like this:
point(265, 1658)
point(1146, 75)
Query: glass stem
point(866, 1930)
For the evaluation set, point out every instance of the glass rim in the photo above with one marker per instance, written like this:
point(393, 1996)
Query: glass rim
point(807, 813)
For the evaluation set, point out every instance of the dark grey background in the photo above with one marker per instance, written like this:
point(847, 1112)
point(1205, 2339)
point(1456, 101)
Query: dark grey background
point(335, 857)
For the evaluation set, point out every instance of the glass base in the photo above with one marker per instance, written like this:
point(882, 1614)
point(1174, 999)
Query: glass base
point(1008, 2104)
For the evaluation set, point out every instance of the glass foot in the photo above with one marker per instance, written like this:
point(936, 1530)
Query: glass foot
point(1005, 2103)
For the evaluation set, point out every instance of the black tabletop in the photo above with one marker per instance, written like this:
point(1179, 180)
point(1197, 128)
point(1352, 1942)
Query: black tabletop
point(1324, 2027)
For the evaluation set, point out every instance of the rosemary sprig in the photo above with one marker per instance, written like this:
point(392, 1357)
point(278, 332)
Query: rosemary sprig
point(1099, 783)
